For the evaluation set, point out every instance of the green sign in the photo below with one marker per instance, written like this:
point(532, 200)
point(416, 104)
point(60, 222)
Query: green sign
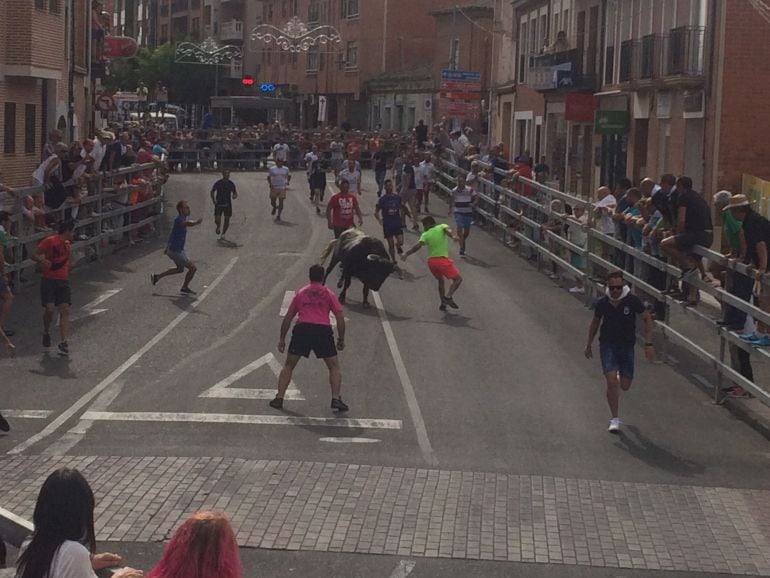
point(611, 122)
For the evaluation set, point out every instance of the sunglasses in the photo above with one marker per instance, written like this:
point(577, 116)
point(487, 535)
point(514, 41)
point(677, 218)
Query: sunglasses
point(615, 287)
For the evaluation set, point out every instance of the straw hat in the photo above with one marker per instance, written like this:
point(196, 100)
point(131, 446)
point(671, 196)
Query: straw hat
point(736, 201)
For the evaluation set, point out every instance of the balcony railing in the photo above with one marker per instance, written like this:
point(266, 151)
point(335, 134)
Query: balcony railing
point(232, 30)
point(559, 70)
point(684, 52)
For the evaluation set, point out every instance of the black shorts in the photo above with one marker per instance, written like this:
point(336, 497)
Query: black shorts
point(389, 232)
point(226, 210)
point(307, 337)
point(55, 291)
point(687, 240)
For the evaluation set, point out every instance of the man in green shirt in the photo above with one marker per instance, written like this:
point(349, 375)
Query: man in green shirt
point(436, 239)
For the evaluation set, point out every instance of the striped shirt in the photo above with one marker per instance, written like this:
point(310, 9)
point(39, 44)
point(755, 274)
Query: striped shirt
point(462, 199)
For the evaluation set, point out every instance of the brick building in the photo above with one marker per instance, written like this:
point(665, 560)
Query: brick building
point(379, 37)
point(177, 20)
point(671, 82)
point(43, 79)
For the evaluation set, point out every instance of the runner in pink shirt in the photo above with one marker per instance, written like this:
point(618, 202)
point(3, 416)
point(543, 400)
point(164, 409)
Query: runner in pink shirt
point(313, 332)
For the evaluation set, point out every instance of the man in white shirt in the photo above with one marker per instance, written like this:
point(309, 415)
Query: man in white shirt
point(278, 177)
point(352, 175)
point(605, 208)
point(423, 177)
point(281, 151)
point(310, 157)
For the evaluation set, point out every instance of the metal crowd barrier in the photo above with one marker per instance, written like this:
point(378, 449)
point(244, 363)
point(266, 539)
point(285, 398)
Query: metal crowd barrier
point(519, 217)
point(103, 215)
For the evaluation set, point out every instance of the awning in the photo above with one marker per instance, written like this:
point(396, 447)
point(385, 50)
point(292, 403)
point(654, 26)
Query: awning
point(250, 102)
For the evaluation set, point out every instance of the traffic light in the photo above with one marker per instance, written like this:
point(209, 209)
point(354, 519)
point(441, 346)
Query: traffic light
point(247, 81)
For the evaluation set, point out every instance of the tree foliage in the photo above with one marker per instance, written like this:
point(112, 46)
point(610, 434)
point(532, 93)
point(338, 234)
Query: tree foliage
point(187, 83)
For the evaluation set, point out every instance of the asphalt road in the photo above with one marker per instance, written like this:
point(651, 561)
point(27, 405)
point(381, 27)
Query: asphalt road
point(499, 386)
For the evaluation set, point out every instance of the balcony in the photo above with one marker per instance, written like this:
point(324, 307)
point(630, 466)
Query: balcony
point(234, 70)
point(231, 31)
point(684, 52)
point(657, 59)
point(559, 71)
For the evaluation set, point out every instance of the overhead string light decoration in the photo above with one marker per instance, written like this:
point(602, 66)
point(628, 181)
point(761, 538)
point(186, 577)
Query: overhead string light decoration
point(295, 36)
point(207, 52)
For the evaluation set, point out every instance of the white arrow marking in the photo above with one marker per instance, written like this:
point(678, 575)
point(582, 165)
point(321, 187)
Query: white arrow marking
point(350, 440)
point(26, 413)
point(222, 389)
point(287, 301)
point(91, 308)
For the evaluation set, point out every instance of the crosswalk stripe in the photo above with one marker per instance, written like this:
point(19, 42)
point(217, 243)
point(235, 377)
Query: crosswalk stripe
point(151, 416)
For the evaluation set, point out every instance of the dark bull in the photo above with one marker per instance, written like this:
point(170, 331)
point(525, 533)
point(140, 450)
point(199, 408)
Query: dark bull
point(362, 257)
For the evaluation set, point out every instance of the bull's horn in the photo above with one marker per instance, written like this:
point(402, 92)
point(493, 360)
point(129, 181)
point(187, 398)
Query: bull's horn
point(373, 257)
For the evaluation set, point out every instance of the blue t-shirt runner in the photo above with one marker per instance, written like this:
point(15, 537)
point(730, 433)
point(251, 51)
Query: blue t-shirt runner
point(175, 249)
point(390, 208)
point(178, 237)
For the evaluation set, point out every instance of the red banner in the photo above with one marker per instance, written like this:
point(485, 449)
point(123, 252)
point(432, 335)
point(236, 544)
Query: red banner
point(579, 107)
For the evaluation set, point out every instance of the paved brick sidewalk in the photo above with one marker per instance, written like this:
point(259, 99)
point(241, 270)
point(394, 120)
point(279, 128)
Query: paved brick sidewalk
point(419, 512)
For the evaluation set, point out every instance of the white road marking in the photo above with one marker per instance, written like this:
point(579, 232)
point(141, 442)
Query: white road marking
point(350, 440)
point(403, 569)
point(90, 309)
point(125, 366)
point(406, 384)
point(77, 432)
point(222, 390)
point(26, 413)
point(289, 295)
point(234, 418)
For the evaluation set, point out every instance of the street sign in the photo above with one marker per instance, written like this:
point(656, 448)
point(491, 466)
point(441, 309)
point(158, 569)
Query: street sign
point(460, 86)
point(611, 122)
point(460, 95)
point(120, 47)
point(105, 103)
point(461, 76)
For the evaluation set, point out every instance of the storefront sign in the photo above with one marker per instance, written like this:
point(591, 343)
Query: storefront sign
point(579, 107)
point(611, 122)
point(460, 76)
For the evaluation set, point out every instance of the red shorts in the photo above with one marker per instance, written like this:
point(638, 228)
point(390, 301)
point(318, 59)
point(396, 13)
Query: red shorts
point(442, 267)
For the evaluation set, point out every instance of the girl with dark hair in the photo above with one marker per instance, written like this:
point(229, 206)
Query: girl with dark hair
point(204, 546)
point(63, 543)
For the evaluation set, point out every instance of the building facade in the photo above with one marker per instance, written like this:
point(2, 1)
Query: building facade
point(606, 89)
point(44, 79)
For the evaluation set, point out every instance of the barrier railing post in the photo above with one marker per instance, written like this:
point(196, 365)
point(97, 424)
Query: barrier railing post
point(720, 377)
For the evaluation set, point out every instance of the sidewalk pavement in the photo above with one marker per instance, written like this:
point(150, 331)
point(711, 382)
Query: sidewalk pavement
point(292, 505)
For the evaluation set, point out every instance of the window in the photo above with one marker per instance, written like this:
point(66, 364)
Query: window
point(294, 7)
point(454, 54)
point(196, 25)
point(163, 33)
point(40, 4)
point(521, 45)
point(388, 121)
point(349, 8)
point(29, 128)
point(53, 6)
point(283, 9)
point(351, 56)
point(9, 136)
point(293, 58)
point(312, 59)
point(269, 53)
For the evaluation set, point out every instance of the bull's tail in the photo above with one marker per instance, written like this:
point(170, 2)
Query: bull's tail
point(327, 251)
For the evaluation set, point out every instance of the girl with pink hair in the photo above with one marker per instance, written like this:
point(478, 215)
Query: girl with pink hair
point(204, 546)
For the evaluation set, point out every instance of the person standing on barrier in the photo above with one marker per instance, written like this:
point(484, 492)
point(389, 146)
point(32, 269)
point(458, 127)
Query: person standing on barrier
point(439, 263)
point(461, 205)
point(175, 249)
point(222, 194)
point(53, 254)
point(756, 232)
point(615, 321)
point(692, 227)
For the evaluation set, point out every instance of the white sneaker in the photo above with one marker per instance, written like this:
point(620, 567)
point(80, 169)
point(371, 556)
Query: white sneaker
point(577, 290)
point(614, 425)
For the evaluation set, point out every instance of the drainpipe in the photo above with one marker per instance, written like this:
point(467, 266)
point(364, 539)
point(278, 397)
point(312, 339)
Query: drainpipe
point(717, 51)
point(69, 23)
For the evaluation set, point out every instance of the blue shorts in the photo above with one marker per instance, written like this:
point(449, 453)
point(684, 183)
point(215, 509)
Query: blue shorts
point(179, 258)
point(463, 220)
point(617, 359)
